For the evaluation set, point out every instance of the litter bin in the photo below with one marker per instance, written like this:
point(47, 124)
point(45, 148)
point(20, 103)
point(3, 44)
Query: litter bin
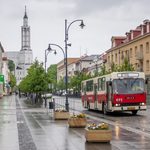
point(51, 105)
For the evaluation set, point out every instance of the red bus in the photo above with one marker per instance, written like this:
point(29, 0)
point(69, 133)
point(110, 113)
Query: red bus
point(117, 91)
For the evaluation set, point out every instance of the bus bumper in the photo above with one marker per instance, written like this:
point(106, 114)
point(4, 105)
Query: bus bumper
point(128, 108)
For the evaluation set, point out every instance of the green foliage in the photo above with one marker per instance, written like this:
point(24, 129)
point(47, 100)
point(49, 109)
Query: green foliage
point(61, 84)
point(52, 75)
point(126, 66)
point(75, 81)
point(36, 80)
point(11, 65)
point(12, 80)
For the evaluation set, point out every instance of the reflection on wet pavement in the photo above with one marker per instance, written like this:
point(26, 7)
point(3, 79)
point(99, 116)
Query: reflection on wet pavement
point(26, 128)
point(8, 124)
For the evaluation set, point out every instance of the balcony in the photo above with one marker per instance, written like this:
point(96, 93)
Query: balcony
point(139, 56)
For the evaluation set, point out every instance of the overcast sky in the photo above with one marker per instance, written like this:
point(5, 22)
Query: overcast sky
point(103, 19)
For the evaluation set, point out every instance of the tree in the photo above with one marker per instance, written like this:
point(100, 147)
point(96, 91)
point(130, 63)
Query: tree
point(126, 66)
point(52, 75)
point(35, 81)
point(61, 84)
point(11, 65)
point(12, 80)
point(75, 81)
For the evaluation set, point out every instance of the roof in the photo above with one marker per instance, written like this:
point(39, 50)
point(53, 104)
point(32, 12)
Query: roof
point(89, 58)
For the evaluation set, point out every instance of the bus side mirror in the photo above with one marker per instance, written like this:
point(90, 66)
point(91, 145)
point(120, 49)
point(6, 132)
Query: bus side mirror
point(146, 81)
point(110, 83)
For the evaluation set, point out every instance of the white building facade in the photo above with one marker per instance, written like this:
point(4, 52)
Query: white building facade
point(24, 58)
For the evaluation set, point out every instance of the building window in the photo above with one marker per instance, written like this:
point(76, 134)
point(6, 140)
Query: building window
point(130, 53)
point(116, 57)
point(122, 55)
point(135, 51)
point(108, 59)
point(112, 58)
point(141, 47)
point(147, 47)
point(147, 65)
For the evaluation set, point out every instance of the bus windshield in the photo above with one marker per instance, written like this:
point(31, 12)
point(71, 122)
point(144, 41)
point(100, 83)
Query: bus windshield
point(128, 86)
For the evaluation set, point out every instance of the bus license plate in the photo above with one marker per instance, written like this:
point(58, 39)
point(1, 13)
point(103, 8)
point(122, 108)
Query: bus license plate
point(131, 108)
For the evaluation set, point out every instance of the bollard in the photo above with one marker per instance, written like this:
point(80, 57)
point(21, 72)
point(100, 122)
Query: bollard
point(45, 101)
point(51, 105)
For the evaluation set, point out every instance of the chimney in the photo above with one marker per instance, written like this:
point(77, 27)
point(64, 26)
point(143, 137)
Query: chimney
point(146, 22)
point(128, 34)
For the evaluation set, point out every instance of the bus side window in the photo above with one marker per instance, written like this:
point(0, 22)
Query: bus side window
point(99, 84)
point(103, 84)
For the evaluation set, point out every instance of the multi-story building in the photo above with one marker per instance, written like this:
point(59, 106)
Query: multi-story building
point(1, 74)
point(134, 46)
point(84, 64)
point(96, 65)
point(23, 58)
point(87, 64)
point(61, 71)
point(6, 73)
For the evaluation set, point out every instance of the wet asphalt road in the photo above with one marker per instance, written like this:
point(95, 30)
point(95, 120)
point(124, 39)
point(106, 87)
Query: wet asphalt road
point(25, 128)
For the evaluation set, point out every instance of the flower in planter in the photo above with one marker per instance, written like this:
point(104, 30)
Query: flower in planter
point(79, 116)
point(102, 126)
point(60, 110)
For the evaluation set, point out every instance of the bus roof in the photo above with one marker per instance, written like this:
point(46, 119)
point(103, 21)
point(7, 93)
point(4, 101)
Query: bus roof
point(120, 75)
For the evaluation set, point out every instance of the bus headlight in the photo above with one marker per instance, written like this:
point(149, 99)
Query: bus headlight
point(117, 105)
point(142, 104)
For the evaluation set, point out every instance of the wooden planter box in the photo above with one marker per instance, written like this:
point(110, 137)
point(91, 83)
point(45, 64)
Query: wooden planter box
point(77, 122)
point(98, 135)
point(61, 115)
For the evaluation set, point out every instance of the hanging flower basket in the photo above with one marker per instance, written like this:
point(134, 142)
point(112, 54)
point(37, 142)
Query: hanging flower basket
point(98, 133)
point(61, 114)
point(76, 121)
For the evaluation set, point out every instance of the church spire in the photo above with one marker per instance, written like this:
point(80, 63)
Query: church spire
point(25, 33)
point(25, 18)
point(25, 14)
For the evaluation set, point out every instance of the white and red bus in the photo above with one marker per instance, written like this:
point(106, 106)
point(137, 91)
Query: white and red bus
point(117, 91)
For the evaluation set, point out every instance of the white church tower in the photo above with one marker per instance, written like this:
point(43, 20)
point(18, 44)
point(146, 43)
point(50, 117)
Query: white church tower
point(25, 54)
point(23, 58)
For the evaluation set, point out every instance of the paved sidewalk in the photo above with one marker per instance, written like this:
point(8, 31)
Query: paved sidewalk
point(23, 127)
point(8, 124)
point(50, 134)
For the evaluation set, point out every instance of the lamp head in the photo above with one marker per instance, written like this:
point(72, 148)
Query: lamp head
point(82, 24)
point(55, 52)
point(49, 48)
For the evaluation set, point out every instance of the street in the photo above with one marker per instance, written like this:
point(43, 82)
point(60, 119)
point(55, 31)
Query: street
point(23, 127)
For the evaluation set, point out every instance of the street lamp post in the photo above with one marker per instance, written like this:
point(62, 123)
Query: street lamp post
point(46, 54)
point(67, 26)
point(47, 51)
point(66, 62)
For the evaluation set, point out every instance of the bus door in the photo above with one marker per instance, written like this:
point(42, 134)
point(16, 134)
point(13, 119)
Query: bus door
point(84, 97)
point(95, 96)
point(109, 95)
